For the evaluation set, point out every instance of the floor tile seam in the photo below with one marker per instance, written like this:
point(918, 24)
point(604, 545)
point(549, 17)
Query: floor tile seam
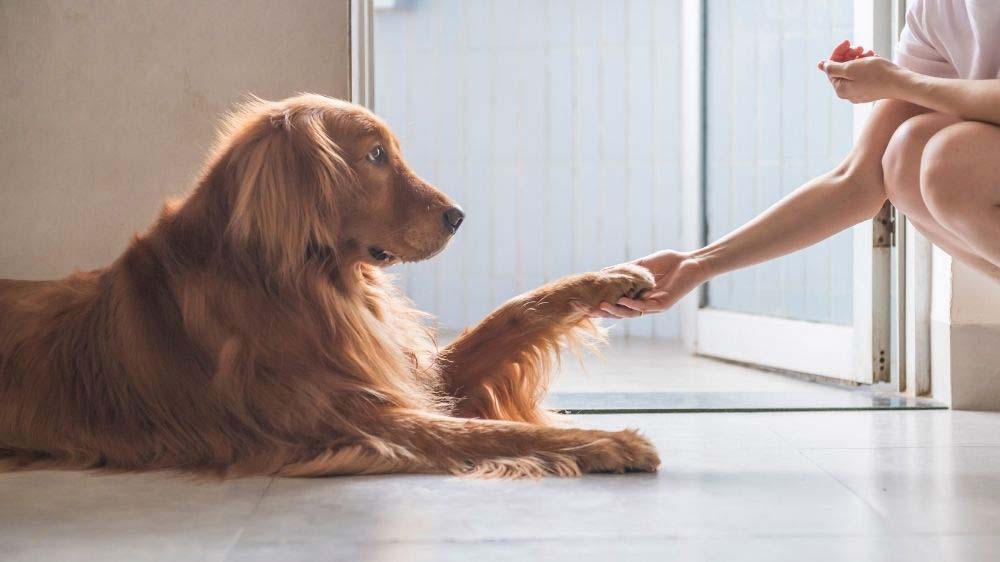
point(893, 447)
point(674, 537)
point(246, 520)
point(882, 516)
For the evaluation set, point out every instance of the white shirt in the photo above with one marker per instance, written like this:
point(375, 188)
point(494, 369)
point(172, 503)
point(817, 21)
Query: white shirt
point(952, 39)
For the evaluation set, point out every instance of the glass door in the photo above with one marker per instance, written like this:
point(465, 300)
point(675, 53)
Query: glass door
point(772, 122)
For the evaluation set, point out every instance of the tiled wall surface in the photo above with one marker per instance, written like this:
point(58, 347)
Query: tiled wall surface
point(555, 124)
point(773, 123)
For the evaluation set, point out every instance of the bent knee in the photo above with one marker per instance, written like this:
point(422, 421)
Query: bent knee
point(901, 162)
point(948, 156)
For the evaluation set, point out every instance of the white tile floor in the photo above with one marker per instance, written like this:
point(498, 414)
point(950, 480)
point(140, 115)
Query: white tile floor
point(896, 485)
point(657, 376)
point(903, 485)
point(643, 365)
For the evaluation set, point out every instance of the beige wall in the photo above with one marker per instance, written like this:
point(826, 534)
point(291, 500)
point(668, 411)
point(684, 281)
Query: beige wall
point(965, 330)
point(107, 108)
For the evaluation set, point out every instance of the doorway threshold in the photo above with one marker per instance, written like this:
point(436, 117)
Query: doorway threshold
point(693, 402)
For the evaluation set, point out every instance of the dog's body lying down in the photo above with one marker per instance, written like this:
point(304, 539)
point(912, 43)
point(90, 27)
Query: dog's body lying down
point(252, 331)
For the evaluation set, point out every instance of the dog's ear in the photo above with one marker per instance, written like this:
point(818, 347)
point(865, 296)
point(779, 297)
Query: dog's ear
point(285, 173)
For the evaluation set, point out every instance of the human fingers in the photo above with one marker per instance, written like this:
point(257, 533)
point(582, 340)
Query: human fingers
point(840, 50)
point(618, 311)
point(657, 302)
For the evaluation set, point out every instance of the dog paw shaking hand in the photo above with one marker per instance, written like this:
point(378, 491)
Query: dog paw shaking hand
point(675, 275)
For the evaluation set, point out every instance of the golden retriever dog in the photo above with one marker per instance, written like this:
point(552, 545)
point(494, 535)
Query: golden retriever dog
point(252, 331)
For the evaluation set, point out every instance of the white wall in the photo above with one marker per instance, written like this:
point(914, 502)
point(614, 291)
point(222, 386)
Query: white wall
point(555, 124)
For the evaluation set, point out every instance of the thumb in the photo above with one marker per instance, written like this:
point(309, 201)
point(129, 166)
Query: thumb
point(834, 69)
point(654, 302)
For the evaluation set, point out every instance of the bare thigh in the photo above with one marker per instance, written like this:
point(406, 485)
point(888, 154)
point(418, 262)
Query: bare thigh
point(960, 184)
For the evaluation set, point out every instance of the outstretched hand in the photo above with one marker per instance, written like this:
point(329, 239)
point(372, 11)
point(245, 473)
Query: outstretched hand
point(676, 274)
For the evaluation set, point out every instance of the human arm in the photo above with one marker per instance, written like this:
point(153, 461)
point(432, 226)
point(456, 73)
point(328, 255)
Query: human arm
point(970, 100)
point(845, 196)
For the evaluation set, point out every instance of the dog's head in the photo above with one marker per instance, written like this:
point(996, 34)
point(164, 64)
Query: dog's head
point(316, 179)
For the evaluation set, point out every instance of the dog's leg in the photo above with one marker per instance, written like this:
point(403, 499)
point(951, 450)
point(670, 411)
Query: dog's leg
point(500, 368)
point(418, 442)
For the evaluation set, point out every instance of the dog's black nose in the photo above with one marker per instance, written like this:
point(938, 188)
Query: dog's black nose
point(453, 218)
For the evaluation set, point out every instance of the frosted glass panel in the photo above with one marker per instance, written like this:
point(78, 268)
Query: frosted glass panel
point(772, 123)
point(555, 124)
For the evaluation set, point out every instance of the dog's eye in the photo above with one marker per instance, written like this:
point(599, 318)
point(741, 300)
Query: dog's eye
point(377, 155)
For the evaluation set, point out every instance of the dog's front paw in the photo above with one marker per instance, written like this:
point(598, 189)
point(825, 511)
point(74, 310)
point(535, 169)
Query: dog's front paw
point(586, 291)
point(613, 283)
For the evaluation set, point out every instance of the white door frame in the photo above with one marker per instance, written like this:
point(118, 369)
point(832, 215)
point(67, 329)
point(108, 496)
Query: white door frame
point(363, 53)
point(858, 353)
point(913, 289)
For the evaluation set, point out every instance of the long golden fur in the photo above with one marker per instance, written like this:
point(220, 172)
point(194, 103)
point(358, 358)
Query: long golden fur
point(252, 331)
